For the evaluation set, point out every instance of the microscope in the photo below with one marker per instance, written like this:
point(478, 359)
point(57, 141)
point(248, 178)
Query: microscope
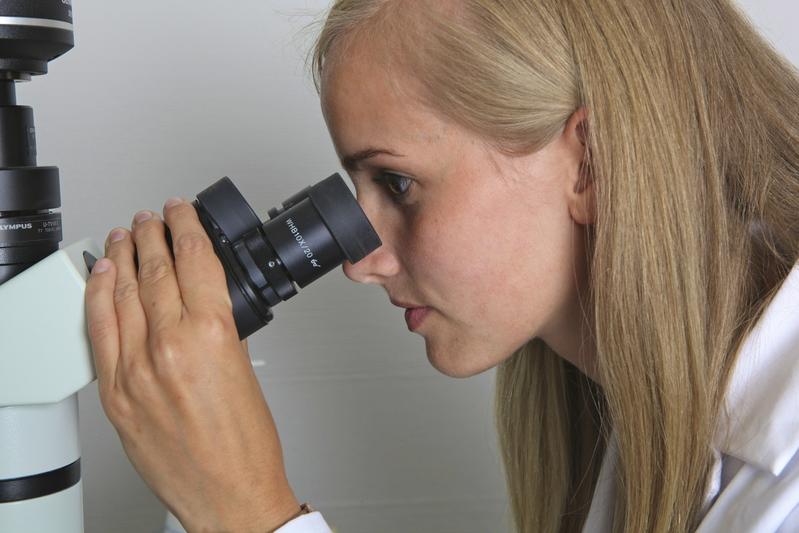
point(45, 353)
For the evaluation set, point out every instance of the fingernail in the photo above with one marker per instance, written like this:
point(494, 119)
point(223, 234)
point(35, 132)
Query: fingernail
point(141, 216)
point(117, 235)
point(172, 202)
point(101, 265)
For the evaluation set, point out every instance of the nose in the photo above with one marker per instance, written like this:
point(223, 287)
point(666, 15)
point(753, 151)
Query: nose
point(375, 268)
point(379, 265)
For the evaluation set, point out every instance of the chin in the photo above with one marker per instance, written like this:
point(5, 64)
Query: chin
point(456, 368)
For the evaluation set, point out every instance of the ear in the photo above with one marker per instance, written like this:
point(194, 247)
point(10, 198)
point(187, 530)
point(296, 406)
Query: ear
point(580, 189)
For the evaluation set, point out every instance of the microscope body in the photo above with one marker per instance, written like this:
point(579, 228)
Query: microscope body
point(46, 359)
point(44, 354)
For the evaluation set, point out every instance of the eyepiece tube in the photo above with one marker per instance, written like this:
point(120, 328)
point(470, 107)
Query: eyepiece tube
point(312, 233)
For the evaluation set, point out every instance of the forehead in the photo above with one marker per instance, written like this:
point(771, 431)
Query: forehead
point(367, 97)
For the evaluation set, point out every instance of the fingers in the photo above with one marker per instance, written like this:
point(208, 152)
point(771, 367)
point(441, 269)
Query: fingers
point(102, 322)
point(158, 284)
point(130, 315)
point(200, 275)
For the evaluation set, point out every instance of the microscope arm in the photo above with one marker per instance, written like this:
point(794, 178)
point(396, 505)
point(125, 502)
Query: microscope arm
point(46, 353)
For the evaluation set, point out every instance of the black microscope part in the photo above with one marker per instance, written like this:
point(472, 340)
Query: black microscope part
point(33, 33)
point(90, 260)
point(314, 231)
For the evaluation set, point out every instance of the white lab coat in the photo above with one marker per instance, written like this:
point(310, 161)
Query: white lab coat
point(755, 483)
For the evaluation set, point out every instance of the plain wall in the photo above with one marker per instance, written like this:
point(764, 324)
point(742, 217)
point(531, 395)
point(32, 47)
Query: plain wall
point(160, 99)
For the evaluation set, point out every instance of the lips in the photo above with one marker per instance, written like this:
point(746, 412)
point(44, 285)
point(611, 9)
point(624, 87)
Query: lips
point(404, 305)
point(414, 313)
point(415, 317)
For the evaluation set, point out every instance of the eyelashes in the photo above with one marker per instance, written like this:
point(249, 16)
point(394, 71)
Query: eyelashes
point(395, 185)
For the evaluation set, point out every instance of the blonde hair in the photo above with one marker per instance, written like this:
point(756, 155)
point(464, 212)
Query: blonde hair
point(693, 150)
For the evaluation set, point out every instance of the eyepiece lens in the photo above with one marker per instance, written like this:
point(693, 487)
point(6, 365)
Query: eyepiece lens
point(314, 232)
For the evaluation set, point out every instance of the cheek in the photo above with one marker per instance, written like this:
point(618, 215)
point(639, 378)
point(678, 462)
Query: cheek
point(485, 257)
point(453, 256)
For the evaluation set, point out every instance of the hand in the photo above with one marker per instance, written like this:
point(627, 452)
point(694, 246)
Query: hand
point(176, 383)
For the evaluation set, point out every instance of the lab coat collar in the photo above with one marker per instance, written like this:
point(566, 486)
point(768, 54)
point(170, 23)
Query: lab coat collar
point(763, 396)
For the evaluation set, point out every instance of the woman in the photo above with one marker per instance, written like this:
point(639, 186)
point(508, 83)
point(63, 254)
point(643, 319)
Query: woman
point(600, 198)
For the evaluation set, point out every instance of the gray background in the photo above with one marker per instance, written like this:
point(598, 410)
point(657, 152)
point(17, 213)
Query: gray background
point(160, 99)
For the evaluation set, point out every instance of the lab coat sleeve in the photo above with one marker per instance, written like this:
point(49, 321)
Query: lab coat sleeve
point(307, 523)
point(791, 523)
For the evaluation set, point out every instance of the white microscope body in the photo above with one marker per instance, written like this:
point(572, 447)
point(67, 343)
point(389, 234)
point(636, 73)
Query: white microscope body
point(46, 359)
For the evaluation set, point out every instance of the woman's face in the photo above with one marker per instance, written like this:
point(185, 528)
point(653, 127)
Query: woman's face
point(487, 241)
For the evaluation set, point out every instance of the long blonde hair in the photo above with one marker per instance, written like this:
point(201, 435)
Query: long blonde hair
point(693, 151)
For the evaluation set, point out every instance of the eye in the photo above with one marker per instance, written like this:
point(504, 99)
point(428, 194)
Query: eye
point(395, 184)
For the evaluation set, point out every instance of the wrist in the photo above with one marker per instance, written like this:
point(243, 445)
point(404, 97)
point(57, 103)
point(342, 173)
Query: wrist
point(261, 516)
point(279, 514)
point(303, 509)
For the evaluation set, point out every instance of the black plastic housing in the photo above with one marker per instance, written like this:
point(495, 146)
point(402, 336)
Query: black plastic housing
point(32, 33)
point(312, 233)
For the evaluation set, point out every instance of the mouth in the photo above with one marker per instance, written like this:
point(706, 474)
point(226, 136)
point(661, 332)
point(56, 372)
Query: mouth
point(405, 305)
point(414, 313)
point(415, 317)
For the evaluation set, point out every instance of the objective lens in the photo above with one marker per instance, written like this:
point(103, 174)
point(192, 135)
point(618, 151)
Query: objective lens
point(32, 33)
point(30, 229)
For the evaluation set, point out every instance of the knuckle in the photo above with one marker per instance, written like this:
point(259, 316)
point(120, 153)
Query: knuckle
point(171, 369)
point(164, 347)
point(226, 303)
point(138, 378)
point(117, 407)
point(216, 325)
point(101, 328)
point(192, 242)
point(125, 291)
point(154, 269)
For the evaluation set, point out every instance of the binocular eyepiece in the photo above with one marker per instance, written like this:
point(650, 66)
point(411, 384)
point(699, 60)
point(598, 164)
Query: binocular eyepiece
point(313, 232)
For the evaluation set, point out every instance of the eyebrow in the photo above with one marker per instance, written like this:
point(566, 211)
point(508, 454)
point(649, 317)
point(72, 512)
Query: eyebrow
point(351, 161)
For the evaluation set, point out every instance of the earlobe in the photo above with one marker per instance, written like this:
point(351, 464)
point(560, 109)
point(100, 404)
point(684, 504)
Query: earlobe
point(582, 204)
